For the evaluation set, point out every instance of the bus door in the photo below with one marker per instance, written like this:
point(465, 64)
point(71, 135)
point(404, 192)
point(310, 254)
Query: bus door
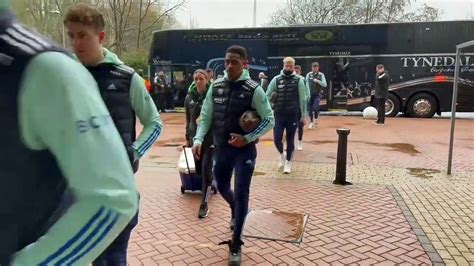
point(361, 78)
point(256, 55)
point(178, 79)
point(349, 86)
point(339, 85)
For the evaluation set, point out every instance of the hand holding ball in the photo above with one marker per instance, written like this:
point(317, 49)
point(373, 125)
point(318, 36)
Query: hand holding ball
point(249, 121)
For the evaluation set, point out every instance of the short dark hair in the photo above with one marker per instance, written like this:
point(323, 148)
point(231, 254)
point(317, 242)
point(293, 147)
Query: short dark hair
point(209, 70)
point(297, 67)
point(379, 66)
point(237, 49)
point(315, 64)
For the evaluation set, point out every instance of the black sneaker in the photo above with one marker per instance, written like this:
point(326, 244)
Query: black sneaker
point(203, 211)
point(235, 251)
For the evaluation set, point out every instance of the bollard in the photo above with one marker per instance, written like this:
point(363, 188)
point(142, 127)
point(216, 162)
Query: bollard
point(342, 157)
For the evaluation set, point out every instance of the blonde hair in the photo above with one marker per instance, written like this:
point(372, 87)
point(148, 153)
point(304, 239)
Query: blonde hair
point(202, 72)
point(289, 60)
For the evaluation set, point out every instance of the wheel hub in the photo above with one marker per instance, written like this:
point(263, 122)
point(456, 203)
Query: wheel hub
point(389, 106)
point(422, 107)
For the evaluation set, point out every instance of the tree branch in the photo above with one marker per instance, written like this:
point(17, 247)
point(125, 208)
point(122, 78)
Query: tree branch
point(166, 12)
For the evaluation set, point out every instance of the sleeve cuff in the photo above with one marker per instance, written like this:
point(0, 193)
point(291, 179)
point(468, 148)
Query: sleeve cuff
point(249, 139)
point(136, 154)
point(197, 141)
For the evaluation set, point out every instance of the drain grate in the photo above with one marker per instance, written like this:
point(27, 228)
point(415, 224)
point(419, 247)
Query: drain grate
point(275, 225)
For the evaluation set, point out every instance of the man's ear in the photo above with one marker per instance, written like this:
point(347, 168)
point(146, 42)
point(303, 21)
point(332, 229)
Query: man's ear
point(101, 37)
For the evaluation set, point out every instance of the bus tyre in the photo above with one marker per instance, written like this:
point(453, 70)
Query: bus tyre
point(422, 105)
point(392, 106)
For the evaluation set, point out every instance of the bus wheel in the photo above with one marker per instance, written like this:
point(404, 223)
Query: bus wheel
point(422, 105)
point(392, 106)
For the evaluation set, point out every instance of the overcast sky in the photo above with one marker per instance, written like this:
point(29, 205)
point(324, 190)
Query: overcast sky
point(238, 13)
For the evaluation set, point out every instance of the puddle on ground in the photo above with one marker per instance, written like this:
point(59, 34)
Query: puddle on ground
point(257, 173)
point(422, 172)
point(400, 147)
point(321, 141)
point(174, 142)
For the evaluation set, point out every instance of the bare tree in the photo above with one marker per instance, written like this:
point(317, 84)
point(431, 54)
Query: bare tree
point(309, 12)
point(370, 10)
point(396, 10)
point(118, 13)
point(129, 23)
point(347, 11)
point(424, 13)
point(148, 7)
point(43, 15)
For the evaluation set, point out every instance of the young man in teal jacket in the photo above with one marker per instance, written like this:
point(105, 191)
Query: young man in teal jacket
point(67, 187)
point(316, 82)
point(125, 96)
point(288, 92)
point(227, 99)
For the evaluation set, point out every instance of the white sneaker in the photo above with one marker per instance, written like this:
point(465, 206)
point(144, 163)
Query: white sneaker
point(300, 145)
point(287, 168)
point(311, 125)
point(281, 161)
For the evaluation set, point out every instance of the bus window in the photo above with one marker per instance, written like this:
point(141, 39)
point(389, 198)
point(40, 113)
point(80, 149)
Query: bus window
point(179, 85)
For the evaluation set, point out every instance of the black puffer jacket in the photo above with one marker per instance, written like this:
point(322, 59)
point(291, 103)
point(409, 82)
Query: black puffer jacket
point(193, 105)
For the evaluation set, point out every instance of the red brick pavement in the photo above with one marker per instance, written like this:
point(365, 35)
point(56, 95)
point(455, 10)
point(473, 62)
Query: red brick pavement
point(357, 224)
point(402, 143)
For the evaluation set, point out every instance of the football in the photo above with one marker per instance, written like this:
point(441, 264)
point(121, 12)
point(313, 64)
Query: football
point(249, 121)
point(370, 113)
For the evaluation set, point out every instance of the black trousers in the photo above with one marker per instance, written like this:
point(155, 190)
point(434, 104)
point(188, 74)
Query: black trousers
point(242, 162)
point(159, 99)
point(288, 123)
point(380, 105)
point(204, 167)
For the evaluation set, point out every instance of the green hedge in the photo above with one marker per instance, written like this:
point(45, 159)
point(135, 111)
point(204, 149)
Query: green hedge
point(138, 61)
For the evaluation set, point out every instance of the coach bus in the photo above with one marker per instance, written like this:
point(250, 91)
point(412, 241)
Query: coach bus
point(419, 58)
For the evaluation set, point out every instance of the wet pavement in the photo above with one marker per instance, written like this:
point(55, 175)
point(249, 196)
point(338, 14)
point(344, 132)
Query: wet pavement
point(402, 208)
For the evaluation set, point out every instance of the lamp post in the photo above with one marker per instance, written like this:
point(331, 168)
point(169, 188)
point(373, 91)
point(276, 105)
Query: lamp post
point(457, 67)
point(254, 13)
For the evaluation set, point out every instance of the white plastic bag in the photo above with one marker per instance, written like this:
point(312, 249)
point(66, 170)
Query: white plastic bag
point(182, 166)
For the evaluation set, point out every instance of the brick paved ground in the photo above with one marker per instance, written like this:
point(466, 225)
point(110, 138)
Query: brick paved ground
point(360, 224)
point(391, 215)
point(441, 205)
